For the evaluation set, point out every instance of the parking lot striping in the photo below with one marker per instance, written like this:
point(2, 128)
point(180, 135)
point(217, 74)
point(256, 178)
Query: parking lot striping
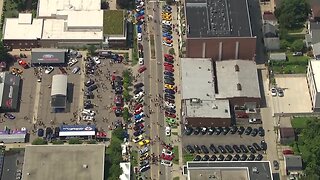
point(36, 103)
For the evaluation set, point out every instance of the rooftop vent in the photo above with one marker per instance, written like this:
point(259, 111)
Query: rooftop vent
point(236, 68)
point(239, 88)
point(214, 106)
point(195, 100)
point(199, 67)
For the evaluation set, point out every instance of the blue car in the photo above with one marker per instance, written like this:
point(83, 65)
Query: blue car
point(138, 116)
point(139, 28)
point(167, 73)
point(166, 34)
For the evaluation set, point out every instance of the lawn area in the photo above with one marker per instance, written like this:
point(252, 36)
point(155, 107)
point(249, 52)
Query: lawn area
point(187, 157)
point(176, 155)
point(113, 21)
point(294, 65)
point(134, 158)
point(300, 122)
point(176, 178)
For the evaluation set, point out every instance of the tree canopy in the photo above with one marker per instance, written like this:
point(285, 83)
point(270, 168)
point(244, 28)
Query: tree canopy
point(292, 14)
point(297, 45)
point(39, 141)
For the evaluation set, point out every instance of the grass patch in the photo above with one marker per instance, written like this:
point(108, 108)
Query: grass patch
point(134, 158)
point(135, 48)
point(153, 51)
point(294, 65)
point(113, 21)
point(175, 150)
point(300, 122)
point(187, 157)
point(175, 133)
point(176, 178)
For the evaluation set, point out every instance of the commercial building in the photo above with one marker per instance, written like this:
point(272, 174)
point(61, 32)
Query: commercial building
point(80, 131)
point(9, 91)
point(293, 163)
point(313, 80)
point(244, 170)
point(13, 136)
point(64, 162)
point(59, 23)
point(199, 105)
point(40, 56)
point(59, 91)
point(237, 81)
point(220, 30)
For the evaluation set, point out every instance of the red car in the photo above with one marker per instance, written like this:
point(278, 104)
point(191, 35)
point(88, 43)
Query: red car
point(168, 56)
point(168, 64)
point(115, 108)
point(23, 63)
point(137, 106)
point(172, 115)
point(287, 152)
point(242, 115)
point(138, 111)
point(142, 69)
point(167, 157)
point(170, 148)
point(169, 69)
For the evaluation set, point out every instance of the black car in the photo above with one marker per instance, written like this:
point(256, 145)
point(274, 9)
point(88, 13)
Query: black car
point(251, 157)
point(168, 73)
point(197, 149)
point(170, 96)
point(87, 104)
point(197, 158)
point(276, 165)
point(169, 100)
point(236, 157)
point(248, 131)
point(244, 148)
point(218, 130)
point(40, 132)
point(261, 131)
point(256, 146)
point(118, 90)
point(229, 148)
point(259, 157)
point(236, 148)
point(213, 158)
point(138, 85)
point(241, 130)
point(228, 158)
point(204, 130)
point(220, 157)
point(92, 87)
point(222, 149)
point(254, 132)
point(197, 131)
point(89, 83)
point(188, 130)
point(211, 130)
point(226, 130)
point(167, 81)
point(204, 149)
point(49, 131)
point(243, 157)
point(136, 91)
point(190, 149)
point(170, 91)
point(169, 78)
point(263, 145)
point(89, 94)
point(251, 149)
point(118, 112)
point(233, 129)
point(205, 158)
point(213, 149)
point(171, 110)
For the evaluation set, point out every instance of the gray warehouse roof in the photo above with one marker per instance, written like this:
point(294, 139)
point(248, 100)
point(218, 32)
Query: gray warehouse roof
point(244, 170)
point(218, 18)
point(197, 78)
point(293, 163)
point(211, 109)
point(59, 85)
point(237, 78)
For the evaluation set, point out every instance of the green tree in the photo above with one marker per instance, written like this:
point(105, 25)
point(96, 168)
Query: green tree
point(39, 141)
point(4, 56)
point(118, 133)
point(171, 51)
point(297, 45)
point(92, 141)
point(74, 141)
point(126, 115)
point(126, 95)
point(92, 50)
point(292, 14)
point(284, 44)
point(57, 142)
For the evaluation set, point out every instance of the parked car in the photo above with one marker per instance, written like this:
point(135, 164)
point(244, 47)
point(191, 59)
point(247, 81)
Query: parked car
point(228, 158)
point(222, 149)
point(197, 131)
point(204, 149)
point(205, 158)
point(244, 148)
point(197, 149)
point(48, 70)
point(92, 87)
point(259, 157)
point(89, 83)
point(190, 149)
point(236, 157)
point(213, 149)
point(213, 158)
point(75, 69)
point(248, 131)
point(197, 158)
point(229, 149)
point(276, 165)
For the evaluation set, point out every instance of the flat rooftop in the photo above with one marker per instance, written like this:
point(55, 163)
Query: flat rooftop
point(48, 8)
point(242, 170)
point(211, 109)
point(197, 78)
point(84, 19)
point(64, 162)
point(237, 78)
point(22, 28)
point(315, 66)
point(218, 18)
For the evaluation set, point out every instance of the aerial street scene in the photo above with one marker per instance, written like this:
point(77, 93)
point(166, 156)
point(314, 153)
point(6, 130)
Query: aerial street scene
point(160, 90)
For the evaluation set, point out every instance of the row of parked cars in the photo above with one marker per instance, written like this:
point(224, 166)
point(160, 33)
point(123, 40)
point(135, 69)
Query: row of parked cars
point(117, 85)
point(224, 130)
point(229, 157)
point(254, 148)
point(169, 87)
point(167, 25)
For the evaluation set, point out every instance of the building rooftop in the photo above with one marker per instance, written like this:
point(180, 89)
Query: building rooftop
point(83, 19)
point(237, 78)
point(218, 18)
point(126, 171)
point(244, 170)
point(197, 78)
point(48, 8)
point(315, 66)
point(20, 28)
point(83, 162)
point(293, 162)
point(208, 108)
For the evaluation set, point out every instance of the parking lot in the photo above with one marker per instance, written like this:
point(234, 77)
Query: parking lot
point(13, 163)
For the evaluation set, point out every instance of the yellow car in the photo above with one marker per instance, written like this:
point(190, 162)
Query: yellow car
point(144, 142)
point(144, 156)
point(168, 86)
point(166, 14)
point(167, 18)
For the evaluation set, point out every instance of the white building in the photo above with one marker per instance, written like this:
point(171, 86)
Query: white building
point(313, 80)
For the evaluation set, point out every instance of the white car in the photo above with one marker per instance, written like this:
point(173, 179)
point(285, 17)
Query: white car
point(167, 152)
point(138, 96)
point(166, 163)
point(273, 91)
point(166, 22)
point(87, 118)
point(89, 112)
point(169, 105)
point(48, 70)
point(139, 121)
point(141, 61)
point(168, 131)
point(96, 60)
point(139, 36)
point(72, 62)
point(137, 139)
point(166, 44)
point(75, 69)
point(144, 150)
